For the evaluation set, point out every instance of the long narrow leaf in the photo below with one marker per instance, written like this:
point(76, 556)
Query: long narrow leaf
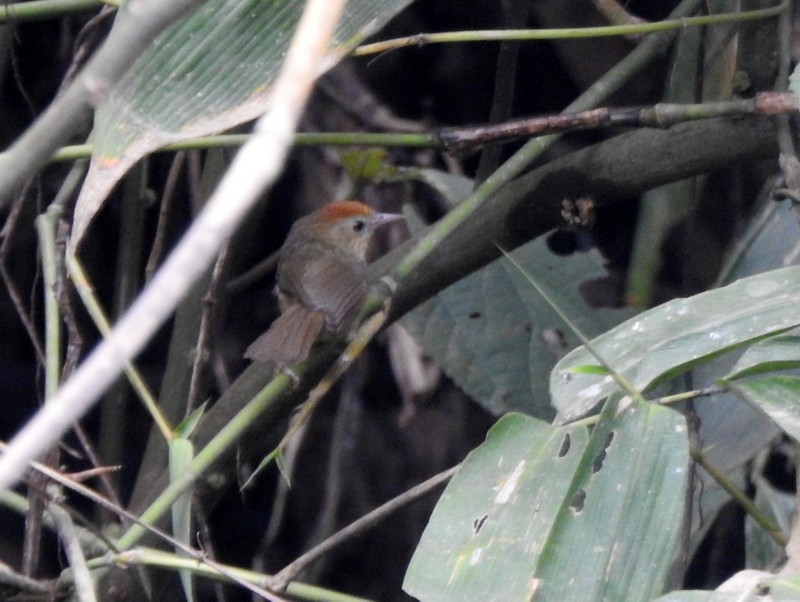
point(181, 453)
point(677, 336)
point(778, 397)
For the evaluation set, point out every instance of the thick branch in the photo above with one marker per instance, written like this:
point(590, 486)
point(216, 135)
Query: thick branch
point(607, 173)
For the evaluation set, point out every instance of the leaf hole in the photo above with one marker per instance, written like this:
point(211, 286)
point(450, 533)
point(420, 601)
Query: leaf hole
point(555, 341)
point(576, 505)
point(565, 444)
point(477, 524)
point(601, 455)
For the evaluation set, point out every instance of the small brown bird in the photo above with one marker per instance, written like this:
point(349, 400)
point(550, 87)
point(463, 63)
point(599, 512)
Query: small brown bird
point(322, 280)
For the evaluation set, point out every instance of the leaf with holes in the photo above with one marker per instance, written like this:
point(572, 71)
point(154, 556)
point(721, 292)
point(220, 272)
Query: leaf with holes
point(747, 585)
point(206, 74)
point(556, 513)
point(677, 336)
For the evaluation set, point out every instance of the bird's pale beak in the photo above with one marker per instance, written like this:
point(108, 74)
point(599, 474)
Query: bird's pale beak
point(379, 219)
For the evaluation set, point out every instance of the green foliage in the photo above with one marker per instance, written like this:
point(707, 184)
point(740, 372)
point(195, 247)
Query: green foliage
point(679, 335)
point(557, 514)
point(589, 510)
point(499, 339)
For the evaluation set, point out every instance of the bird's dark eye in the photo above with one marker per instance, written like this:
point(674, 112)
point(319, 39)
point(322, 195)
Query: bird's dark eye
point(359, 225)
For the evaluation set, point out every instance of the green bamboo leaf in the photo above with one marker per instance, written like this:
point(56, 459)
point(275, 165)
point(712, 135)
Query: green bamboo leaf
point(181, 452)
point(208, 73)
point(778, 397)
point(703, 596)
point(747, 585)
point(498, 507)
point(551, 513)
point(679, 335)
point(761, 550)
point(773, 354)
point(187, 425)
point(785, 588)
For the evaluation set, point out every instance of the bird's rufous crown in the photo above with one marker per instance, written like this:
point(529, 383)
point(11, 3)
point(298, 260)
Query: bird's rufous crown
point(345, 209)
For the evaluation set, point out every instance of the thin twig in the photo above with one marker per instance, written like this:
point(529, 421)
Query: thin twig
point(84, 585)
point(7, 236)
point(9, 576)
point(195, 555)
point(365, 333)
point(202, 350)
point(254, 274)
point(745, 502)
point(159, 240)
point(86, 292)
point(21, 12)
point(674, 24)
point(280, 581)
point(689, 395)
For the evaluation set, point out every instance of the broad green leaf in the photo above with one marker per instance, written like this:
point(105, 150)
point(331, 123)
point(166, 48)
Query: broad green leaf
point(498, 339)
point(552, 513)
point(732, 430)
point(761, 550)
point(497, 509)
point(620, 545)
point(772, 354)
point(778, 397)
point(206, 74)
point(745, 586)
point(786, 588)
point(677, 336)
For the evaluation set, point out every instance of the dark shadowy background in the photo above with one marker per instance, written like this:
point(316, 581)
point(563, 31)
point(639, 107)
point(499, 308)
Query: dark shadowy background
point(368, 441)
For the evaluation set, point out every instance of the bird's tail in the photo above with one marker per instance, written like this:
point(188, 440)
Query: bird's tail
point(289, 339)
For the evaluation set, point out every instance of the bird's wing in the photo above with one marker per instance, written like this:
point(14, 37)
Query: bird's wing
point(332, 286)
